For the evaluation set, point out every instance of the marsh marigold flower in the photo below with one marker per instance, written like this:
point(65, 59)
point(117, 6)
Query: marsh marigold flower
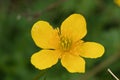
point(117, 2)
point(65, 44)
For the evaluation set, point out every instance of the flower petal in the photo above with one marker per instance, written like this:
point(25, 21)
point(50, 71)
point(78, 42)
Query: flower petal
point(44, 35)
point(73, 63)
point(117, 2)
point(44, 59)
point(91, 50)
point(74, 26)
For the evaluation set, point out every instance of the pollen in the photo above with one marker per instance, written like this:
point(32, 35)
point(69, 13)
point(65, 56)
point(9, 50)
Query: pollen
point(65, 44)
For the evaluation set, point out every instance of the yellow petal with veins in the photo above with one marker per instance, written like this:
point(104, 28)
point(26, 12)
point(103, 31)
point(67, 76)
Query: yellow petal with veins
point(91, 50)
point(45, 59)
point(74, 27)
point(44, 35)
point(73, 63)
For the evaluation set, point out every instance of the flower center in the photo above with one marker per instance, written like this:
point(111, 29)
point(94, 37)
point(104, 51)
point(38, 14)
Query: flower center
point(65, 44)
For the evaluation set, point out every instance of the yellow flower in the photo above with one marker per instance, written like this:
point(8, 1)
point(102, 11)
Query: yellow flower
point(65, 44)
point(117, 2)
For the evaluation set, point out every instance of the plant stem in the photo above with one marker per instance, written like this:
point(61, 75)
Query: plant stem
point(112, 74)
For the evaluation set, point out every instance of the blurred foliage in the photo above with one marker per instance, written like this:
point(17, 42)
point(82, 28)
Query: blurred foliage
point(17, 46)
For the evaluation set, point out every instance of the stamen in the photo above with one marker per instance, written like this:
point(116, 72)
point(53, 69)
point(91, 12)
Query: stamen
point(58, 31)
point(65, 44)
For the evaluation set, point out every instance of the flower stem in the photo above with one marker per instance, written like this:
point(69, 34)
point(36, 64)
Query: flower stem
point(41, 74)
point(112, 74)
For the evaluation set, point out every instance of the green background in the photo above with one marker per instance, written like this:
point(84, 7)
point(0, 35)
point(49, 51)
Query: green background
point(16, 45)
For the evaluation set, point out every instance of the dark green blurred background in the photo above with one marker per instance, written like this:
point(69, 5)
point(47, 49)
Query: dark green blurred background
point(17, 46)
